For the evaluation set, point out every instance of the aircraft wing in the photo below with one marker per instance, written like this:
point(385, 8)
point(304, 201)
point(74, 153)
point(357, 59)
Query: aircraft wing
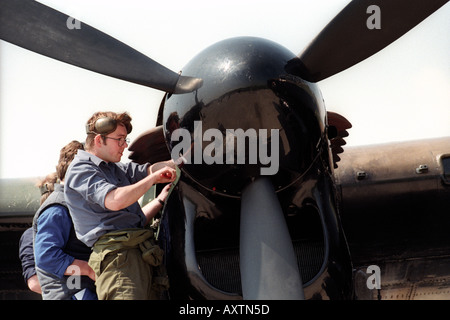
point(19, 200)
point(394, 204)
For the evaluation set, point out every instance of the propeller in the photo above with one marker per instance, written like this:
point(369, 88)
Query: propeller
point(150, 146)
point(337, 131)
point(347, 39)
point(36, 27)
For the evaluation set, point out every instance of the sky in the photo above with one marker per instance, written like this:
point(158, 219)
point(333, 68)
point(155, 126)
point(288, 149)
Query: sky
point(401, 93)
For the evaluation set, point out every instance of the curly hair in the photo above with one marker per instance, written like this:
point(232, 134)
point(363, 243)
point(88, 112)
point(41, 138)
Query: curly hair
point(66, 156)
point(47, 186)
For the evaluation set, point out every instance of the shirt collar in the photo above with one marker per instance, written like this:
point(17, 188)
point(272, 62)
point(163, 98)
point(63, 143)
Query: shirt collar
point(59, 187)
point(84, 155)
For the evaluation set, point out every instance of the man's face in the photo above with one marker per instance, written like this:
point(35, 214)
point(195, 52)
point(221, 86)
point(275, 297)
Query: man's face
point(112, 149)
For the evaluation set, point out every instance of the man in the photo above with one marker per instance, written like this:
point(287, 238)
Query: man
point(61, 259)
point(26, 248)
point(103, 195)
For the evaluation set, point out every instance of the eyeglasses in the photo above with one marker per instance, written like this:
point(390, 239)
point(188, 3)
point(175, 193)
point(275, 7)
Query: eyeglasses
point(120, 141)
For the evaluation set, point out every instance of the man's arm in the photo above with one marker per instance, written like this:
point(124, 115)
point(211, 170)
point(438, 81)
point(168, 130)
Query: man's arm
point(54, 226)
point(152, 208)
point(33, 284)
point(123, 197)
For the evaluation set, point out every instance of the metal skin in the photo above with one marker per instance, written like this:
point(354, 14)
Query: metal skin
point(395, 200)
point(246, 85)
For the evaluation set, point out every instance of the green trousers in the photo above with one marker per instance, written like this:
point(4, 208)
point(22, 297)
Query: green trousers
point(128, 266)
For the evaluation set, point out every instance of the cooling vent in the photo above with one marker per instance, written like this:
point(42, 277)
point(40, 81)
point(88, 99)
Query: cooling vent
point(217, 246)
point(221, 267)
point(12, 284)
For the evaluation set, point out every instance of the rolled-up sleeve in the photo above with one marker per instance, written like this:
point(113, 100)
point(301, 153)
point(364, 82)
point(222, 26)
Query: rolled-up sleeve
point(90, 182)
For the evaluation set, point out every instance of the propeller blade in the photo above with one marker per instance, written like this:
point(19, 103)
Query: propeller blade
point(268, 262)
point(347, 39)
point(36, 27)
point(337, 131)
point(150, 146)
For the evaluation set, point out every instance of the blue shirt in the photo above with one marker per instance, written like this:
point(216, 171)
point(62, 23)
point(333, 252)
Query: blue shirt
point(54, 226)
point(26, 254)
point(88, 180)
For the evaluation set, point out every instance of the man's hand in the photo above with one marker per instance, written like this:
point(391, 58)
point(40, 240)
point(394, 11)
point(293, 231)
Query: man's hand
point(165, 175)
point(83, 269)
